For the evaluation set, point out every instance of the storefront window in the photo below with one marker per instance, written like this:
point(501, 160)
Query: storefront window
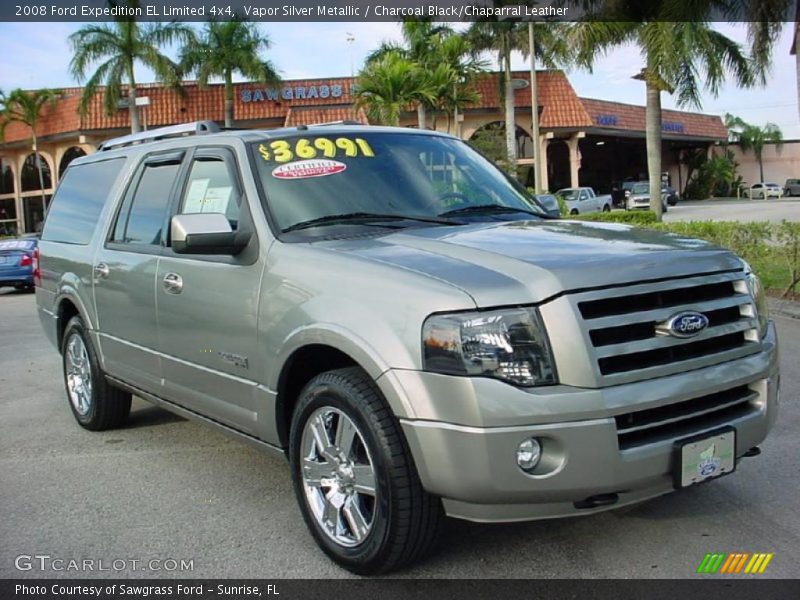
point(30, 174)
point(6, 177)
point(70, 155)
point(8, 217)
point(34, 213)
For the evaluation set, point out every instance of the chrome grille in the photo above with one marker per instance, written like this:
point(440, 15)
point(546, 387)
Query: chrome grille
point(621, 326)
point(685, 418)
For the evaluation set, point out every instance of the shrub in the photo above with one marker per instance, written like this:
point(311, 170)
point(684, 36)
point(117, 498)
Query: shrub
point(773, 251)
point(633, 217)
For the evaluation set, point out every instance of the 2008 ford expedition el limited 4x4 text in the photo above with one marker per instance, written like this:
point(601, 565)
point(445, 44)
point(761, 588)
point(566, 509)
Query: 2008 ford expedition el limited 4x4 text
point(402, 321)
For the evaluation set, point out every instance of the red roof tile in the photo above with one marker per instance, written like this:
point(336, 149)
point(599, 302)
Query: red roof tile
point(619, 116)
point(560, 105)
point(309, 115)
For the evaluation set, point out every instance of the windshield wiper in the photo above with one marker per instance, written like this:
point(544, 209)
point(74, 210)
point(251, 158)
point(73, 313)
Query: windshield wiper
point(364, 217)
point(487, 209)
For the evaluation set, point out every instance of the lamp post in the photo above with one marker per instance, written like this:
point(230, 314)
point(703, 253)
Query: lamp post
point(537, 159)
point(350, 39)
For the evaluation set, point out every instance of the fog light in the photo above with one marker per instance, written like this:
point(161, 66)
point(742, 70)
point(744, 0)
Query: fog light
point(528, 454)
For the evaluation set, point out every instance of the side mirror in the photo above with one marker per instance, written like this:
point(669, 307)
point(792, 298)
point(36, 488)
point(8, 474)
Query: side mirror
point(206, 233)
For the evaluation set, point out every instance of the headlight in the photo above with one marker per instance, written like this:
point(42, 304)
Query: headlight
point(759, 299)
point(505, 344)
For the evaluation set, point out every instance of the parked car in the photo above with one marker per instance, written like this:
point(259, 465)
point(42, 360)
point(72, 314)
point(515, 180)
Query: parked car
point(16, 262)
point(765, 190)
point(639, 197)
point(671, 195)
point(550, 204)
point(792, 187)
point(386, 308)
point(582, 200)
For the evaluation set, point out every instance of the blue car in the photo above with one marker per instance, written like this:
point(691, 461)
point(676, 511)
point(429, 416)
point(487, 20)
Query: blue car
point(16, 262)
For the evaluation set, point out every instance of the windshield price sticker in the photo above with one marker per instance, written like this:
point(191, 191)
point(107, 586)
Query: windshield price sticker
point(283, 151)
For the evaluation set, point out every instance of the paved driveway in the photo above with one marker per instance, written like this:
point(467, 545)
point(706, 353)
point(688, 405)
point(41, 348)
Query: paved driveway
point(736, 210)
point(166, 488)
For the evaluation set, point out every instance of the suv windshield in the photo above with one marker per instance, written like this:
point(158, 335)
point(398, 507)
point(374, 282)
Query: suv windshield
point(313, 177)
point(640, 188)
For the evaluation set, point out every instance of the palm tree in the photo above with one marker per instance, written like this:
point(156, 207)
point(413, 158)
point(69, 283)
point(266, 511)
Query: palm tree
point(421, 44)
point(225, 48)
point(676, 45)
point(25, 107)
point(752, 137)
point(390, 84)
point(505, 37)
point(121, 45)
point(457, 67)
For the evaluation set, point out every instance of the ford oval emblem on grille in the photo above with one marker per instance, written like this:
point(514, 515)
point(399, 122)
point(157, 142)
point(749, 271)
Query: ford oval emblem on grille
point(683, 325)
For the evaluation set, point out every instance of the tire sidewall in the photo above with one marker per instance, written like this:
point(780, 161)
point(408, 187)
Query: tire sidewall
point(316, 395)
point(77, 327)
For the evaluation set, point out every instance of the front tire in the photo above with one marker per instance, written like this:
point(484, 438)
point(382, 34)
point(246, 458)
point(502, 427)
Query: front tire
point(355, 479)
point(95, 404)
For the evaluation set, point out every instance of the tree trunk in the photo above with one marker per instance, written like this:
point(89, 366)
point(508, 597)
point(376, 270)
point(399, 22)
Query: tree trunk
point(511, 124)
point(133, 110)
point(39, 168)
point(760, 166)
point(422, 121)
point(653, 140)
point(228, 99)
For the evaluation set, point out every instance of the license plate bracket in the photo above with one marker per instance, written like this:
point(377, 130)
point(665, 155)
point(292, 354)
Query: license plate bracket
point(704, 457)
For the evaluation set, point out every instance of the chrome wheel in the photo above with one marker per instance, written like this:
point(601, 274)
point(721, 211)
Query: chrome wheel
point(79, 374)
point(338, 476)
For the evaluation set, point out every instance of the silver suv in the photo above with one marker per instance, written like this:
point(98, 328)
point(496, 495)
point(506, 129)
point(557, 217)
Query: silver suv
point(389, 311)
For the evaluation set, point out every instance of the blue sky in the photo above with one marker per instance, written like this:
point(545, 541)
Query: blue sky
point(37, 55)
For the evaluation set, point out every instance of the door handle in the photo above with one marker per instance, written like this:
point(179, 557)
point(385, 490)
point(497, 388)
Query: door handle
point(101, 270)
point(173, 283)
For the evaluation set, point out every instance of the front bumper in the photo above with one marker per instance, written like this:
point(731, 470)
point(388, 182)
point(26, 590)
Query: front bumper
point(464, 434)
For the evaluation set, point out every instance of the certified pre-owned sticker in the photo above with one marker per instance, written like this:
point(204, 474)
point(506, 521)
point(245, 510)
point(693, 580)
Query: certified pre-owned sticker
point(304, 169)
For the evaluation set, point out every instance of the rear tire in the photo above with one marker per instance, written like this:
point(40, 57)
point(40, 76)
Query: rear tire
point(95, 403)
point(395, 524)
point(573, 211)
point(606, 208)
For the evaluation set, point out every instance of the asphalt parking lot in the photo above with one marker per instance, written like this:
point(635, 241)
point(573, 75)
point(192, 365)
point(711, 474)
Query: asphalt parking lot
point(736, 210)
point(165, 488)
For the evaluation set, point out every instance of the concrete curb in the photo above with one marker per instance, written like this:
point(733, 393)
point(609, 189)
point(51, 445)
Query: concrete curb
point(784, 308)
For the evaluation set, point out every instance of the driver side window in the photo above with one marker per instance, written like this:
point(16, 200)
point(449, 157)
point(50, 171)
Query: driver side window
point(211, 188)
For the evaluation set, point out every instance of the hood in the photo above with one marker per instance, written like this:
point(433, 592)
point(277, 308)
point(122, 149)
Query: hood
point(531, 261)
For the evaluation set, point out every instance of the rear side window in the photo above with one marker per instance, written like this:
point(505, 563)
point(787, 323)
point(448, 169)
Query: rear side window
point(79, 200)
point(141, 219)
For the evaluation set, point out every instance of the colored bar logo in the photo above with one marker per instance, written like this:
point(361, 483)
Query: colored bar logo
point(734, 563)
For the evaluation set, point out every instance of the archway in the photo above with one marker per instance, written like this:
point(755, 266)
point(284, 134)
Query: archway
point(71, 154)
point(8, 206)
point(29, 175)
point(558, 165)
point(6, 177)
point(491, 140)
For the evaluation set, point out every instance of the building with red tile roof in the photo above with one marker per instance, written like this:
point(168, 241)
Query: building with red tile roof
point(583, 141)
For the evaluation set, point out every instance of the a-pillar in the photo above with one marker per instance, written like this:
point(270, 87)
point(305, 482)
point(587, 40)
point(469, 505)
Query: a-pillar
point(574, 157)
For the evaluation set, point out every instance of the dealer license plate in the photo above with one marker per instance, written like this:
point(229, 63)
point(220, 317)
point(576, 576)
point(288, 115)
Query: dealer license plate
point(708, 457)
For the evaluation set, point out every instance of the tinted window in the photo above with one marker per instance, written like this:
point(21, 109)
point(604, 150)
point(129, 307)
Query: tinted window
point(141, 220)
point(79, 200)
point(211, 189)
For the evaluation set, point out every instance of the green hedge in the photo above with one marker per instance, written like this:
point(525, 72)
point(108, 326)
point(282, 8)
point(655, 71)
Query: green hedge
point(772, 249)
point(632, 217)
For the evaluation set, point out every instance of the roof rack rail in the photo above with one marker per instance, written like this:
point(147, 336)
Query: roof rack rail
point(344, 122)
point(161, 133)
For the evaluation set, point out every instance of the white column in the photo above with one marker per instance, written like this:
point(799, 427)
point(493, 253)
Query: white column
point(574, 157)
